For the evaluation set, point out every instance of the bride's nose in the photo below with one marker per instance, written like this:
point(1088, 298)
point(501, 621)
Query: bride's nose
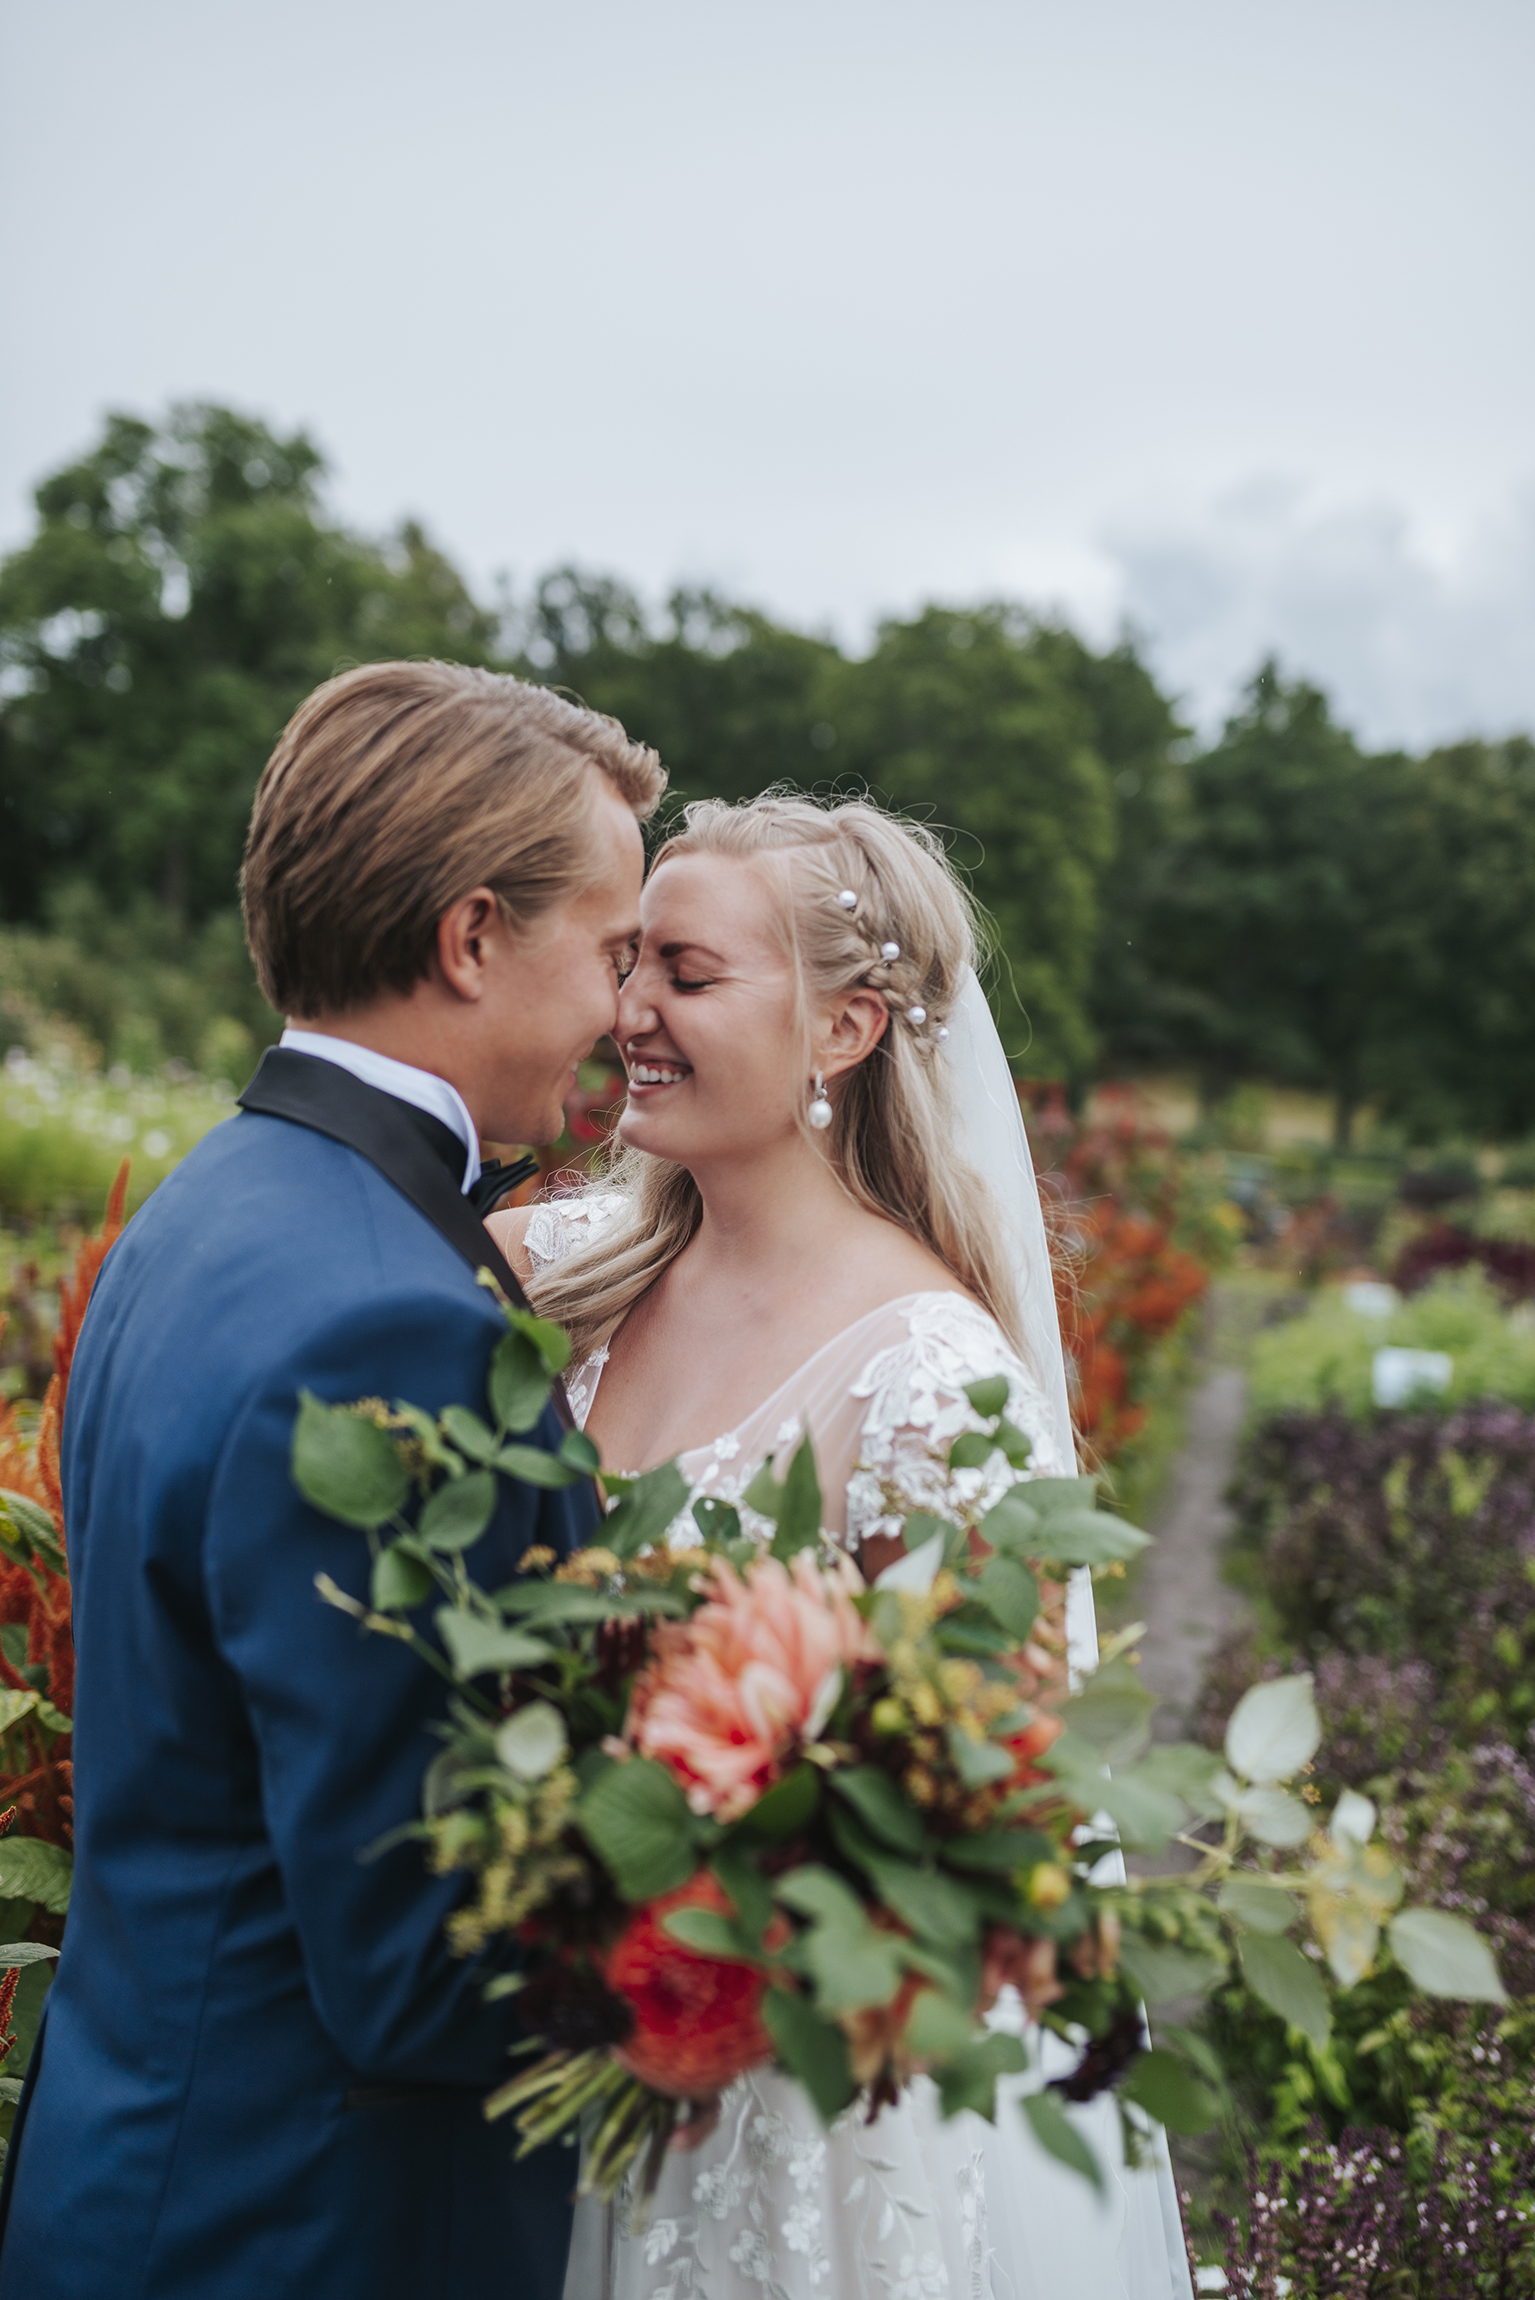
point(637, 1015)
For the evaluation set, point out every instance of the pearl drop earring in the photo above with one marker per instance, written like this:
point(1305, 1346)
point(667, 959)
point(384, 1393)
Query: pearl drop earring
point(819, 1113)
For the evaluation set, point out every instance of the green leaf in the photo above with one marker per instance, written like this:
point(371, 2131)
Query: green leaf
point(1288, 1983)
point(469, 1433)
point(345, 1465)
point(33, 1871)
point(1015, 1443)
point(551, 1342)
point(939, 2029)
point(30, 1526)
point(784, 1810)
point(710, 1933)
point(1056, 2133)
point(1159, 2083)
point(764, 1494)
point(636, 1820)
point(1010, 1592)
point(978, 1763)
point(16, 1704)
point(1259, 1908)
point(937, 1907)
point(400, 1582)
point(1440, 1953)
point(11, 2090)
point(1113, 1711)
point(475, 1645)
point(1144, 1812)
point(578, 1453)
point(1000, 1852)
point(1050, 1494)
point(1274, 1730)
point(1274, 1817)
point(718, 1521)
point(811, 2049)
point(971, 1450)
point(1088, 1537)
point(799, 1510)
point(812, 1891)
point(647, 1508)
point(519, 1383)
point(749, 1891)
point(1013, 1525)
point(14, 1954)
point(532, 1466)
point(1162, 1972)
point(852, 1962)
point(882, 1809)
point(989, 1396)
point(423, 1428)
point(532, 1741)
point(458, 1512)
point(968, 2079)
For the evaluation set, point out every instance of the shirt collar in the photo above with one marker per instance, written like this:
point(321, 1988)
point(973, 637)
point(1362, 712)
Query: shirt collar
point(423, 1089)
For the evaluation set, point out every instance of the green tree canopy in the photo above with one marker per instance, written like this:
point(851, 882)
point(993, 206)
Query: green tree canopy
point(182, 593)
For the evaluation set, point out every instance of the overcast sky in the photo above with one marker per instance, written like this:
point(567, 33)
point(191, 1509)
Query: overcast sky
point(1213, 315)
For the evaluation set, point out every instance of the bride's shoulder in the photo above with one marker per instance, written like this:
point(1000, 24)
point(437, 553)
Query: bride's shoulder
point(940, 1337)
point(532, 1237)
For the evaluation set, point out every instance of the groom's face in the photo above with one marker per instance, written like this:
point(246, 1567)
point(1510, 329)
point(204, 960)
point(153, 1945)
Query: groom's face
point(553, 991)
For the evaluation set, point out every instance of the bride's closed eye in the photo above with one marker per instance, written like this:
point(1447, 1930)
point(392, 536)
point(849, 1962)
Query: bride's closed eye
point(679, 982)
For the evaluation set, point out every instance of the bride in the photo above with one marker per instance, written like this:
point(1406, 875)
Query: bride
point(823, 1219)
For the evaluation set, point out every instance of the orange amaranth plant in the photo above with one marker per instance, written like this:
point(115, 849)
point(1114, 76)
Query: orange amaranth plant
point(35, 1767)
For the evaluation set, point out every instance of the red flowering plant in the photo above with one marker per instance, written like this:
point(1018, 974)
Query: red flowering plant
point(1136, 1225)
point(723, 1802)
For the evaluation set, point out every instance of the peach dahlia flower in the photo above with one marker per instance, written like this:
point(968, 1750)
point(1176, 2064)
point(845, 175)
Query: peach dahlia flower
point(750, 1677)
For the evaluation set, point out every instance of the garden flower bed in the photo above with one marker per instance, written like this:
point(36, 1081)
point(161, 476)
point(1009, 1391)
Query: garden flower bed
point(1393, 1554)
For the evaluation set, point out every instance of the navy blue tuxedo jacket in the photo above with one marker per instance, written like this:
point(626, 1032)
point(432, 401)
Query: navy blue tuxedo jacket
point(260, 2070)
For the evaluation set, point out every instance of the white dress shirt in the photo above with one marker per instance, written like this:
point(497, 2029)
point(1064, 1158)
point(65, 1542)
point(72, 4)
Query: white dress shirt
point(422, 1088)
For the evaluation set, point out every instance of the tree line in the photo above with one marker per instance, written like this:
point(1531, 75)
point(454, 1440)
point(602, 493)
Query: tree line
point(1278, 904)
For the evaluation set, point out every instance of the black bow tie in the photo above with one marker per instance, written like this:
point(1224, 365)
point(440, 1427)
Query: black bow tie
point(495, 1181)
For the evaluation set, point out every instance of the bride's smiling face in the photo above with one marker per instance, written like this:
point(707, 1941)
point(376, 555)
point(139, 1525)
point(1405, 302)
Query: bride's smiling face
point(707, 1020)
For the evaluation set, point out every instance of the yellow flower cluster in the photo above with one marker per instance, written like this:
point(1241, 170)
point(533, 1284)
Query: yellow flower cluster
point(518, 1856)
point(931, 1693)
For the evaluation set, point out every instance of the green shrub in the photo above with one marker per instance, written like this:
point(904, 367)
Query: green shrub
point(137, 987)
point(1322, 1360)
point(64, 1134)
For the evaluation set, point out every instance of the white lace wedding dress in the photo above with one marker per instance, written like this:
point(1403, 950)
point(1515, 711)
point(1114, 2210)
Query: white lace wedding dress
point(773, 2206)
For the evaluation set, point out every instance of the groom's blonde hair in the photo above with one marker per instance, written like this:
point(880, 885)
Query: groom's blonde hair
point(894, 1135)
point(392, 792)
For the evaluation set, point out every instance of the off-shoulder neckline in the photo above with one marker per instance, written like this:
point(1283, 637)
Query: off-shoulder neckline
point(837, 1341)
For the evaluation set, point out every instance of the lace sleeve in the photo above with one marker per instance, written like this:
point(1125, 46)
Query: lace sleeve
point(917, 1406)
point(559, 1226)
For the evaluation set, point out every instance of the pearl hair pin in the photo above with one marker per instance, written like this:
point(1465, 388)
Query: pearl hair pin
point(848, 899)
point(890, 952)
point(916, 1016)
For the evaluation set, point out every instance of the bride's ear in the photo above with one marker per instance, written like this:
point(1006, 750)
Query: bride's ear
point(857, 1027)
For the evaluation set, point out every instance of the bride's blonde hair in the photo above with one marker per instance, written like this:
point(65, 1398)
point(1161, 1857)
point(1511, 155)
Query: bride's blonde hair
point(893, 1135)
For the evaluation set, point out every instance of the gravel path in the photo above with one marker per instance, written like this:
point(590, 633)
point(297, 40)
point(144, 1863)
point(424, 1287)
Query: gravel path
point(1180, 1595)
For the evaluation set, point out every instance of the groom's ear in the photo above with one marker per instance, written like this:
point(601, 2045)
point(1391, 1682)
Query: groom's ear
point(465, 936)
point(856, 1030)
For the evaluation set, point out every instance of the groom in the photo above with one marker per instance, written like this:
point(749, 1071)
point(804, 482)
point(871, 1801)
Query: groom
point(260, 2072)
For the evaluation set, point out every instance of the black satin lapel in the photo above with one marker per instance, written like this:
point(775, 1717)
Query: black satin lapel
point(309, 1091)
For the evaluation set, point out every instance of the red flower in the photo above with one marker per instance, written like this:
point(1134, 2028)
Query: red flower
point(697, 2019)
point(1032, 1742)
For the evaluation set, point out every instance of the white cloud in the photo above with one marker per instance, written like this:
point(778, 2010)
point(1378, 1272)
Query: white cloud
point(1415, 643)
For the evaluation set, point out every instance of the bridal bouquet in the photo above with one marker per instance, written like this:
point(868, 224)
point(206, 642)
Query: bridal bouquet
point(729, 1805)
